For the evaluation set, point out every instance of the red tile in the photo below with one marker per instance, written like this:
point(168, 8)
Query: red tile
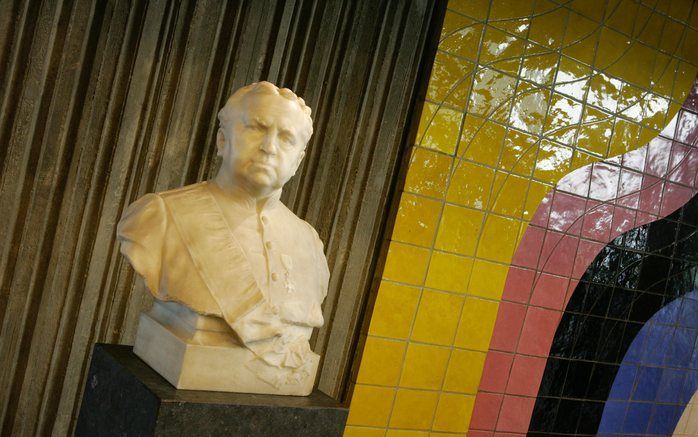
point(683, 165)
point(687, 127)
point(560, 257)
point(529, 249)
point(526, 375)
point(509, 434)
point(586, 252)
point(515, 415)
point(475, 433)
point(507, 329)
point(642, 218)
point(566, 213)
point(538, 331)
point(604, 181)
point(623, 221)
point(540, 217)
point(629, 189)
point(576, 182)
point(651, 194)
point(658, 152)
point(485, 411)
point(496, 371)
point(635, 159)
point(675, 196)
point(597, 222)
point(549, 291)
point(518, 285)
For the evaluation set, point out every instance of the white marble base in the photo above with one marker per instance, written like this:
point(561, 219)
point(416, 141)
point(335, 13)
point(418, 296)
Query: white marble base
point(195, 352)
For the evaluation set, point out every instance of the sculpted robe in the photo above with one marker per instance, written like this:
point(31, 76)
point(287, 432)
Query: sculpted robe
point(251, 262)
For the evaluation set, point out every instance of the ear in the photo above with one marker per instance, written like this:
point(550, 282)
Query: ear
point(220, 142)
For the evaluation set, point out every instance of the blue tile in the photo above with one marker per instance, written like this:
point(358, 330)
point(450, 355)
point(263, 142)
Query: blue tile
point(647, 383)
point(637, 418)
point(656, 345)
point(613, 417)
point(689, 386)
point(670, 386)
point(689, 313)
point(664, 419)
point(623, 383)
point(680, 348)
point(634, 352)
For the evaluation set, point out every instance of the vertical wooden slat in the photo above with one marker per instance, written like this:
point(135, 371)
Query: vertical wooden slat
point(103, 101)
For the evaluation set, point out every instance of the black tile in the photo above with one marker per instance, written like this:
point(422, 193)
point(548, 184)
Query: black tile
point(590, 418)
point(602, 377)
point(544, 413)
point(553, 377)
point(568, 412)
point(587, 338)
point(597, 298)
point(577, 380)
point(645, 305)
point(621, 303)
point(610, 341)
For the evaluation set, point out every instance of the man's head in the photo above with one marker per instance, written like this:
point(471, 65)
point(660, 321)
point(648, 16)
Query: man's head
point(262, 137)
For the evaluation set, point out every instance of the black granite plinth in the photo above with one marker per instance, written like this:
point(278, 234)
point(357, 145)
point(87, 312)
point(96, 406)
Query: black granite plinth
point(125, 397)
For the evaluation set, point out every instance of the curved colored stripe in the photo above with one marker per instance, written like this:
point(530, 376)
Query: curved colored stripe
point(587, 209)
point(658, 374)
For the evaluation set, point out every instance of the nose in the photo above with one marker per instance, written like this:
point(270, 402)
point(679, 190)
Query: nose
point(270, 144)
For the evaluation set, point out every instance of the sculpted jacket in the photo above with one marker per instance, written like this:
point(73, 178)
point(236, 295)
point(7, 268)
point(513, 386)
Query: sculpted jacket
point(226, 254)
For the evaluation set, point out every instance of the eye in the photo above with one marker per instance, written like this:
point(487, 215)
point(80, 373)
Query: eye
point(287, 138)
point(255, 126)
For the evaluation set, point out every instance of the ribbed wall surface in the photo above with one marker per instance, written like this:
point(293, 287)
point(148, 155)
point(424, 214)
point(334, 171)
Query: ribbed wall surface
point(101, 102)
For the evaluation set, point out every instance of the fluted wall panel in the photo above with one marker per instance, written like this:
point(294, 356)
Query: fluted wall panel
point(103, 101)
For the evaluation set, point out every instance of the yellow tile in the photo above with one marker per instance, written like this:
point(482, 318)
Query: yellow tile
point(416, 220)
point(563, 113)
point(491, 94)
point(498, 239)
point(577, 30)
point(487, 279)
point(611, 47)
point(394, 310)
point(646, 135)
point(689, 45)
point(464, 371)
point(626, 136)
point(441, 132)
point(403, 433)
point(654, 110)
point(476, 324)
point(453, 413)
point(470, 185)
point(509, 195)
point(437, 318)
point(381, 361)
point(680, 9)
point(622, 16)
point(428, 172)
point(671, 36)
point(580, 159)
point(447, 434)
point(649, 27)
point(459, 230)
point(548, 27)
point(593, 9)
point(572, 78)
point(595, 131)
point(355, 431)
point(498, 46)
point(472, 8)
point(519, 153)
point(536, 193)
point(454, 22)
point(370, 406)
point(462, 38)
point(449, 272)
point(508, 9)
point(450, 80)
point(414, 409)
point(584, 48)
point(553, 162)
point(406, 264)
point(685, 75)
point(529, 108)
point(540, 68)
point(425, 366)
point(604, 92)
point(481, 140)
point(634, 65)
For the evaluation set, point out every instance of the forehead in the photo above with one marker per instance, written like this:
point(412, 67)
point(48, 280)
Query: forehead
point(271, 108)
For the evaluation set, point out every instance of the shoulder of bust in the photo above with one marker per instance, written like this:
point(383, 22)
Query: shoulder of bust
point(182, 190)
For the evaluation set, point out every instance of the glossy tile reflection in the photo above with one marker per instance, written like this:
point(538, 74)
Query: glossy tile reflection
point(523, 97)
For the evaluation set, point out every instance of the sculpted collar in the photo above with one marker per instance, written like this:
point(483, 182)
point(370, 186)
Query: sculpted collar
point(241, 197)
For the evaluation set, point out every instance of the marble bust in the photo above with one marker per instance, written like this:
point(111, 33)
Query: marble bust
point(238, 278)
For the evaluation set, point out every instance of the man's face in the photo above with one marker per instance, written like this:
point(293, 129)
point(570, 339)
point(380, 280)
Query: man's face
point(265, 144)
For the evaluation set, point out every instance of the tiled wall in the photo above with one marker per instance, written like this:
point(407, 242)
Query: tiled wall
point(522, 93)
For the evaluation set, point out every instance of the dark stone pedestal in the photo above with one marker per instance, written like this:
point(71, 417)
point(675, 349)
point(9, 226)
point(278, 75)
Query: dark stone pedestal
point(125, 397)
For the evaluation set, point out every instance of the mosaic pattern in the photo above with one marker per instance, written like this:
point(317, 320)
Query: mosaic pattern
point(521, 94)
